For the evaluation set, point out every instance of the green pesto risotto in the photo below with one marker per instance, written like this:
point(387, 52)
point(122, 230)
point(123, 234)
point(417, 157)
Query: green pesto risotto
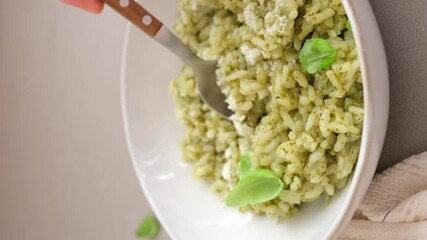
point(290, 72)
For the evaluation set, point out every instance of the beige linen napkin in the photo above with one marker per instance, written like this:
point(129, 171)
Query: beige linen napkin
point(395, 207)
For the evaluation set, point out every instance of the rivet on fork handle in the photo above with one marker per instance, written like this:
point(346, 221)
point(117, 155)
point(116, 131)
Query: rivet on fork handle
point(136, 14)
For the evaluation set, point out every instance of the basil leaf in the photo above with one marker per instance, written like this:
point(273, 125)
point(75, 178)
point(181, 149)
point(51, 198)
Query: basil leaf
point(149, 227)
point(244, 166)
point(348, 25)
point(256, 187)
point(316, 54)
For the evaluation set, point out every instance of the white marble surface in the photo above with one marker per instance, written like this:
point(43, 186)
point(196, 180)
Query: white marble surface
point(65, 171)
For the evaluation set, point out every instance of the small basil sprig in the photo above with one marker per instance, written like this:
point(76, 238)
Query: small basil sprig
point(149, 227)
point(244, 166)
point(254, 186)
point(316, 54)
point(348, 25)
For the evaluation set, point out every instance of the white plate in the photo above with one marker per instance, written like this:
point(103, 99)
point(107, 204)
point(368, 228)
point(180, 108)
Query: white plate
point(187, 208)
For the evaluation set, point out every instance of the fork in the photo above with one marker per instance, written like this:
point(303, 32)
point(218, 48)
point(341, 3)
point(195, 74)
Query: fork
point(206, 78)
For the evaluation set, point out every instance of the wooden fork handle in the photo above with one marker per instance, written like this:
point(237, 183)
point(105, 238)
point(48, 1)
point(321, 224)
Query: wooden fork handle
point(136, 14)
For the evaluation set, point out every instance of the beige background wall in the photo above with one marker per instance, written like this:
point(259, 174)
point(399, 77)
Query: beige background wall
point(65, 171)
